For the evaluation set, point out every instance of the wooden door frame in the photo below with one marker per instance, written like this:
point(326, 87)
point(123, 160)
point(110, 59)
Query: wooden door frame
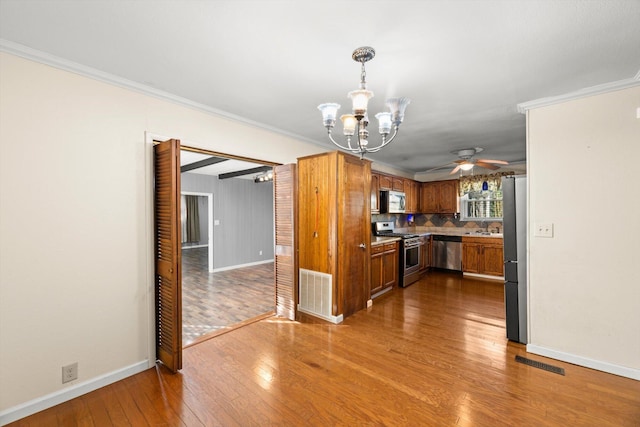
point(150, 140)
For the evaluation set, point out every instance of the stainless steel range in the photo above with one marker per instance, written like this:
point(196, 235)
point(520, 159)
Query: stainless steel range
point(409, 253)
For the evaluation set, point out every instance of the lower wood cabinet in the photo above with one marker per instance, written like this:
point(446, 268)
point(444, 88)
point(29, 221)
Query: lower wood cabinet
point(384, 266)
point(483, 255)
point(425, 253)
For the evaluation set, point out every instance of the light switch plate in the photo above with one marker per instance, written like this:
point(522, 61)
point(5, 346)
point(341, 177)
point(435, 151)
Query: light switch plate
point(543, 229)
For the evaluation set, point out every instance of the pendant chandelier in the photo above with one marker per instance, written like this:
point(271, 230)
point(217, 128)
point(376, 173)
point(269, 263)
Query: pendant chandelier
point(356, 123)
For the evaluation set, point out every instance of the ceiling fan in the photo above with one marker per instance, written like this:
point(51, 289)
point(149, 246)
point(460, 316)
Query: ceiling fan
point(467, 162)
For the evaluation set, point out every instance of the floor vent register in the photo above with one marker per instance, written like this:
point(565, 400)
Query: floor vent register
point(540, 365)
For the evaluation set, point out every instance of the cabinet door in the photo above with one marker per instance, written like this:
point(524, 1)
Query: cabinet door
point(471, 257)
point(428, 197)
point(415, 194)
point(492, 260)
point(375, 193)
point(397, 184)
point(425, 249)
point(411, 191)
point(376, 273)
point(389, 267)
point(386, 182)
point(448, 196)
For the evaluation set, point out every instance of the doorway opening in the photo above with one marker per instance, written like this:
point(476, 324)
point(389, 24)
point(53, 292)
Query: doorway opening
point(228, 277)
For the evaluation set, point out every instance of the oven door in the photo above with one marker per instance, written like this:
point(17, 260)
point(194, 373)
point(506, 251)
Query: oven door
point(411, 258)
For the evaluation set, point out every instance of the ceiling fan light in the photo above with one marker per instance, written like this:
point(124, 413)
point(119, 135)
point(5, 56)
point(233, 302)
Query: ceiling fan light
point(466, 166)
point(329, 112)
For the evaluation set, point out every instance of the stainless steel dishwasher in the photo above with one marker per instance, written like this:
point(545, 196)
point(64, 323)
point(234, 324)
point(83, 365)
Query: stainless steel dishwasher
point(447, 252)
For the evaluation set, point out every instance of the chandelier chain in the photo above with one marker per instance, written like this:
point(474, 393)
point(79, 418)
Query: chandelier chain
point(363, 77)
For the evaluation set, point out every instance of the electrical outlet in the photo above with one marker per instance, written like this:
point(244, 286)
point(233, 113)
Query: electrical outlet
point(260, 253)
point(70, 372)
point(544, 230)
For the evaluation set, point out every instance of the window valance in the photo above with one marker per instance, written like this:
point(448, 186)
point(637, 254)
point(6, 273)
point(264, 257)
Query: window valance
point(474, 183)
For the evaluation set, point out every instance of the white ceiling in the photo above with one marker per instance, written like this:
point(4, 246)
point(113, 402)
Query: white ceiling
point(465, 64)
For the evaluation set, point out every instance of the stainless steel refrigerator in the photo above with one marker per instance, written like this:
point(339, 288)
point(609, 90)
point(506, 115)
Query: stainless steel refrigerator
point(514, 194)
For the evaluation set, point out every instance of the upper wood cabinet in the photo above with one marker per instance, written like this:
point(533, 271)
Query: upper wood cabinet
point(397, 184)
point(382, 182)
point(412, 191)
point(386, 182)
point(390, 182)
point(375, 193)
point(439, 197)
point(334, 225)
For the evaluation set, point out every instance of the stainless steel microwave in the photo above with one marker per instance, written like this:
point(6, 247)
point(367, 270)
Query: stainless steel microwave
point(392, 202)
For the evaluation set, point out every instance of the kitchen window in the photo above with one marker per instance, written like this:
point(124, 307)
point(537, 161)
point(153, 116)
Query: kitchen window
point(481, 205)
point(481, 197)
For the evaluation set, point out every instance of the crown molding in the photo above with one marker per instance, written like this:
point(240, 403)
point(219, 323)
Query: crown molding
point(582, 93)
point(73, 67)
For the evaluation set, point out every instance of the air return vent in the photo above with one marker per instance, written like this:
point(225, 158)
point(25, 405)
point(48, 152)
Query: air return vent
point(316, 295)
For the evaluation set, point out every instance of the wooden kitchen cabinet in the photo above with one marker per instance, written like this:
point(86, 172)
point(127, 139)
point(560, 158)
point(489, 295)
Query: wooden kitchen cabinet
point(397, 184)
point(385, 182)
point(384, 266)
point(375, 193)
point(439, 197)
point(390, 182)
point(425, 253)
point(334, 226)
point(483, 255)
point(412, 192)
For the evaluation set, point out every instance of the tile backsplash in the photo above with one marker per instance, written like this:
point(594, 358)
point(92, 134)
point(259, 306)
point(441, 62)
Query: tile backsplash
point(437, 220)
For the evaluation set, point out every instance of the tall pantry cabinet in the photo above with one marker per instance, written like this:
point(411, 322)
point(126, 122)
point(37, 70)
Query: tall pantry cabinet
point(334, 231)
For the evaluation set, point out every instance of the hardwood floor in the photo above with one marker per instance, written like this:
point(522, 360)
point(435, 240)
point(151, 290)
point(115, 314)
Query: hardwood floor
point(217, 301)
point(433, 354)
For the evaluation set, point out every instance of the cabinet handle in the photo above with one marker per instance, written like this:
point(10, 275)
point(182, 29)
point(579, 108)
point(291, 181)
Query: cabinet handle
point(362, 246)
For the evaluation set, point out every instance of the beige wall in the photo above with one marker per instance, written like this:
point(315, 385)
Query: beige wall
point(75, 219)
point(585, 281)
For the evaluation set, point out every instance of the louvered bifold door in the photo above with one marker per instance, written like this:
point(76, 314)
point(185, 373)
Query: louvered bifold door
point(286, 266)
point(168, 264)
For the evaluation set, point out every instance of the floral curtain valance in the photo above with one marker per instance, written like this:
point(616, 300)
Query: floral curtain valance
point(473, 183)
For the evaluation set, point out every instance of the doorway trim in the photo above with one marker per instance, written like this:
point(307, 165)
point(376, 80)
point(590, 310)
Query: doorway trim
point(209, 197)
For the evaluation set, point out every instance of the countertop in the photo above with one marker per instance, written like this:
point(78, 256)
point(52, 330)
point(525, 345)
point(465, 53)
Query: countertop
point(378, 240)
point(448, 231)
point(428, 231)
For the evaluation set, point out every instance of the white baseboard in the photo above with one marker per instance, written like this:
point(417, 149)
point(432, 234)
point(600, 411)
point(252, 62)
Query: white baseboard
point(36, 405)
point(233, 267)
point(332, 319)
point(610, 368)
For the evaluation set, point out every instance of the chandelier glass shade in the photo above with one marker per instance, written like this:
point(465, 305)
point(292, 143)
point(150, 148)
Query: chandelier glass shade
point(355, 124)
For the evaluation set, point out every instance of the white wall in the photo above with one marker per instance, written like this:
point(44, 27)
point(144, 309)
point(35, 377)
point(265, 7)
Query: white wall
point(75, 220)
point(585, 281)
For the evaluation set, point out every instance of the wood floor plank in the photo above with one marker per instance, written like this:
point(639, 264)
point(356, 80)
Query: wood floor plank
point(432, 354)
point(217, 301)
